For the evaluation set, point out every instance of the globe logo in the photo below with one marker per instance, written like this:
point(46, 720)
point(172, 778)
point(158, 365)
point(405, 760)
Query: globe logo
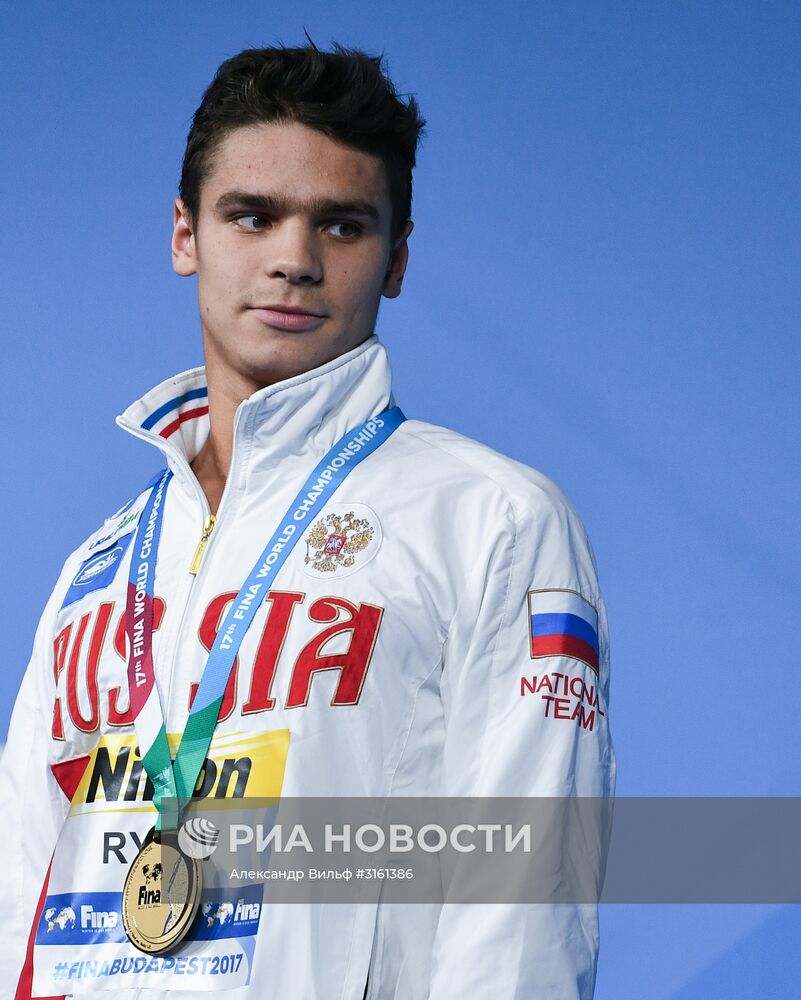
point(63, 919)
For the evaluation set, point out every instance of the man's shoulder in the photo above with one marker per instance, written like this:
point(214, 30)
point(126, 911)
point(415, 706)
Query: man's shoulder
point(509, 500)
point(95, 557)
point(481, 467)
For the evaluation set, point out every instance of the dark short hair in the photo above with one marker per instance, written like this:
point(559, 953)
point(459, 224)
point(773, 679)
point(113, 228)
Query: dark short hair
point(345, 94)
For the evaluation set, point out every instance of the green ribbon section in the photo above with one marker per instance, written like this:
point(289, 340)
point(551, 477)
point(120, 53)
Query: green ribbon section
point(158, 766)
point(174, 780)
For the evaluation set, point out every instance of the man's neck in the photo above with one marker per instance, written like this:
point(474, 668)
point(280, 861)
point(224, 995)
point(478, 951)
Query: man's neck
point(212, 463)
point(211, 466)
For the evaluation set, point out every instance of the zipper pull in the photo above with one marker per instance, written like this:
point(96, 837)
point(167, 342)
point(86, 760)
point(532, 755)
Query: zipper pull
point(194, 566)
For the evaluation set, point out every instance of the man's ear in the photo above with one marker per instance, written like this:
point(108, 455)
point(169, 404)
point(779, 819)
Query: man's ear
point(183, 241)
point(398, 260)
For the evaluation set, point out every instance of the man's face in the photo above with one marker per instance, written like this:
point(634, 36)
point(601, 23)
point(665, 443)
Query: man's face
point(288, 220)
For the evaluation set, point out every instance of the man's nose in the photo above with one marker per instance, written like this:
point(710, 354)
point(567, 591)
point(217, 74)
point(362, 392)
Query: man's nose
point(293, 254)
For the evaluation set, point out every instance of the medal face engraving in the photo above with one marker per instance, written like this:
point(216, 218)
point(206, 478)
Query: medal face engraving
point(160, 897)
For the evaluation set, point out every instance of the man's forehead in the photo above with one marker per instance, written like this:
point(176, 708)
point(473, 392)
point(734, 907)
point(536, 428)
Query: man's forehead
point(290, 161)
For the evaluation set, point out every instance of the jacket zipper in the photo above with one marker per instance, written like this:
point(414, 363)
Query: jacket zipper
point(197, 558)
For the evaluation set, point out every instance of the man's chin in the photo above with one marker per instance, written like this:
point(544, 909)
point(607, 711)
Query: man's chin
point(282, 361)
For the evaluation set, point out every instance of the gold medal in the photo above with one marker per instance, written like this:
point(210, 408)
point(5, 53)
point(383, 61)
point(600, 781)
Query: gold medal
point(160, 896)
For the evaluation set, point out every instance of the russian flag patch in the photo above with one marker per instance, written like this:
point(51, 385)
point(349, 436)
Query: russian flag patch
point(562, 623)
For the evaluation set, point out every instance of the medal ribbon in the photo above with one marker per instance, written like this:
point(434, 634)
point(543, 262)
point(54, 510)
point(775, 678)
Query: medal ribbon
point(174, 781)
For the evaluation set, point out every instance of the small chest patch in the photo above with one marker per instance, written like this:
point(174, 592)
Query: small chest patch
point(98, 571)
point(344, 539)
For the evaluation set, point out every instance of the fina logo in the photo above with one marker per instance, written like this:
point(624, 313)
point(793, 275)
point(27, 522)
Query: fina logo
point(227, 913)
point(98, 920)
point(91, 919)
point(97, 566)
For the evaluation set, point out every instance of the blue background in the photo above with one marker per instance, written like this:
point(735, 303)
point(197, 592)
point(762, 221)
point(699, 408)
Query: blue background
point(604, 283)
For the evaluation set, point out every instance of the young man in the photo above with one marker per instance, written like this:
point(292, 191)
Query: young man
point(424, 618)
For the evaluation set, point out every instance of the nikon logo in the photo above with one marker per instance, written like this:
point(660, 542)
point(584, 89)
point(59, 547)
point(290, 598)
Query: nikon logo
point(119, 777)
point(238, 765)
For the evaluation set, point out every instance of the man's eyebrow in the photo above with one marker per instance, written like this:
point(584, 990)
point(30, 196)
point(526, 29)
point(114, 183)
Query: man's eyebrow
point(272, 205)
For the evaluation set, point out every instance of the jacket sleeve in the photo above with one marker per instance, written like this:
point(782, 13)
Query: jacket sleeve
point(510, 732)
point(32, 806)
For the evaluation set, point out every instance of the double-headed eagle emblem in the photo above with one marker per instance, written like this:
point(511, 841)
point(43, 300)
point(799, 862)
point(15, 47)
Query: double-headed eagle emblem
point(334, 541)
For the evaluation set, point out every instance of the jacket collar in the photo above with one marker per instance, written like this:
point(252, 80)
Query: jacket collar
point(300, 416)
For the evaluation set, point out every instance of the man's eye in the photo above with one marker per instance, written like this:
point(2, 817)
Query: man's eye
point(244, 222)
point(346, 230)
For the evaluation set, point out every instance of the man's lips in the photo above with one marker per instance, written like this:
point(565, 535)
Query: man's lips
point(288, 317)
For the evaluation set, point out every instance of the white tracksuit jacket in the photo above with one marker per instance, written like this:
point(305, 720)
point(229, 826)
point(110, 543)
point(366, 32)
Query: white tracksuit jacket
point(424, 694)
